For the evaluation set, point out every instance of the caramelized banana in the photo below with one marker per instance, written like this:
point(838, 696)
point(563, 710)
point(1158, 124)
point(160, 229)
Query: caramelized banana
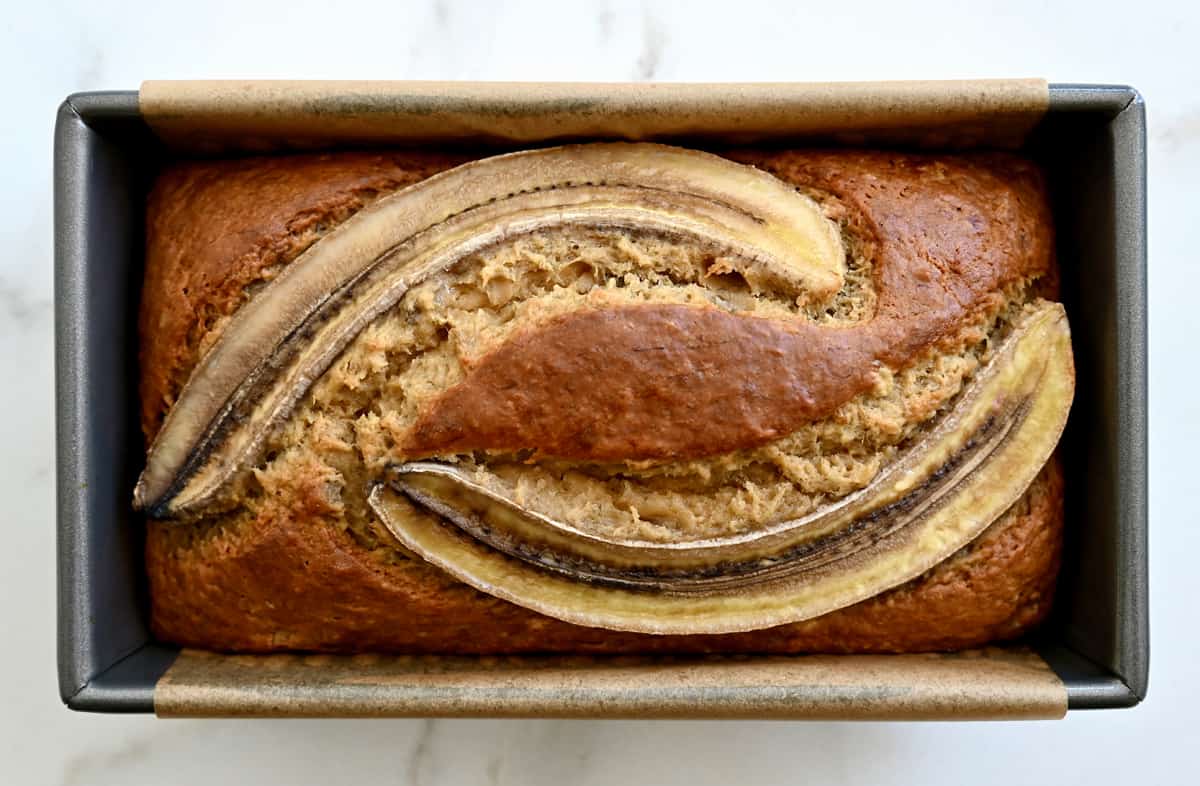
point(288, 334)
point(945, 489)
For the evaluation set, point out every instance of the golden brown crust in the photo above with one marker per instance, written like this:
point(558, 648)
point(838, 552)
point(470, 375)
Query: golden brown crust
point(216, 228)
point(288, 579)
point(286, 583)
point(705, 382)
point(957, 235)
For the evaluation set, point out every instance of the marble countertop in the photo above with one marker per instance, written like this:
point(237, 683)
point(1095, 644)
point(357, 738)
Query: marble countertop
point(53, 48)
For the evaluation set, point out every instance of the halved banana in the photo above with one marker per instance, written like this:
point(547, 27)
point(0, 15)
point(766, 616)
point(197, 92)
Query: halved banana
point(944, 490)
point(280, 342)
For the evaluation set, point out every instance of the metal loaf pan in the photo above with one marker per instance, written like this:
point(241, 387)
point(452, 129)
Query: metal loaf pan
point(1091, 142)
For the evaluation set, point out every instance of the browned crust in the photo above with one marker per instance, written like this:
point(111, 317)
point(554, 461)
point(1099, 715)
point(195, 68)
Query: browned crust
point(216, 228)
point(704, 382)
point(287, 582)
point(291, 580)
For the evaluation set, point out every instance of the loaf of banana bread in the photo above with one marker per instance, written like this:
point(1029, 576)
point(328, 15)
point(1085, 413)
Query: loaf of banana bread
point(604, 398)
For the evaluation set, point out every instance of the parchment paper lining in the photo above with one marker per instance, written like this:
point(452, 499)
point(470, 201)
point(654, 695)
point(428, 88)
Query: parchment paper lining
point(985, 684)
point(229, 116)
point(232, 117)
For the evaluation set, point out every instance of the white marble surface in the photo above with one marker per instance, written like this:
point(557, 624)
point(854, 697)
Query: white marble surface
point(52, 48)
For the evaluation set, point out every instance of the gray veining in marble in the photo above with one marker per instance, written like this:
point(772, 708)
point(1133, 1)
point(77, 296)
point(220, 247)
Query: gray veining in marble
point(653, 40)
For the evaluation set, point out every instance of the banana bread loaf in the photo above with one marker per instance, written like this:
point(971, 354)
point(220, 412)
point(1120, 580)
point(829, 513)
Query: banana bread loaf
point(632, 374)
